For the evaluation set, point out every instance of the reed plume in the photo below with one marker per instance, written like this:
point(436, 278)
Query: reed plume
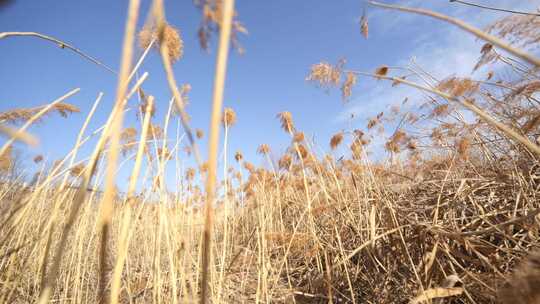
point(336, 140)
point(170, 36)
point(286, 121)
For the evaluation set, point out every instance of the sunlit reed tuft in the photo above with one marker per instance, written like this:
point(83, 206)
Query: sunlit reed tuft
point(229, 117)
point(171, 37)
point(336, 140)
point(286, 121)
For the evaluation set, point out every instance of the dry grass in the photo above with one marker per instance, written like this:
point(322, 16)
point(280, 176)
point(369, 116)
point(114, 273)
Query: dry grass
point(446, 219)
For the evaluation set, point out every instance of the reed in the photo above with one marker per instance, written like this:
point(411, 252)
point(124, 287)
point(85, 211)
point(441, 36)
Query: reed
point(448, 212)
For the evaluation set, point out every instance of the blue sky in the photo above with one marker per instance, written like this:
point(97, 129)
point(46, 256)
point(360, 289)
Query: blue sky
point(285, 39)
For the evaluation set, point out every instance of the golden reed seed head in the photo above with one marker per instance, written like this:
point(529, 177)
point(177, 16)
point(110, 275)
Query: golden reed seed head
point(358, 133)
point(16, 115)
point(6, 159)
point(184, 91)
point(263, 149)
point(238, 156)
point(458, 87)
point(381, 71)
point(286, 121)
point(128, 134)
point(24, 114)
point(77, 170)
point(487, 56)
point(486, 48)
point(38, 159)
point(64, 109)
point(336, 140)
point(412, 145)
point(302, 152)
point(164, 153)
point(146, 35)
point(212, 11)
point(128, 138)
point(372, 123)
point(441, 110)
point(171, 38)
point(357, 147)
point(249, 167)
point(156, 132)
point(229, 117)
point(325, 74)
point(364, 26)
point(204, 167)
point(346, 88)
point(175, 44)
point(396, 141)
point(285, 161)
point(190, 174)
point(299, 137)
point(199, 133)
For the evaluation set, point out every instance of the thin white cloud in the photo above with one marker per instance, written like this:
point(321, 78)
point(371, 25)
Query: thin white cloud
point(442, 51)
point(390, 20)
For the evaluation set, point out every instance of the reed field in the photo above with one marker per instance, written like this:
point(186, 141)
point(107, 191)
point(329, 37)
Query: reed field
point(449, 214)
